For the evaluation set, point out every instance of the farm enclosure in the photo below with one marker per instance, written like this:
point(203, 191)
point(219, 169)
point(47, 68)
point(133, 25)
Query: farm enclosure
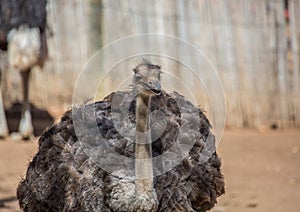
point(254, 46)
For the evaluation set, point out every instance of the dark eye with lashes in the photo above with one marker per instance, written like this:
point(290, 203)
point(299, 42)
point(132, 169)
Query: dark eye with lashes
point(138, 76)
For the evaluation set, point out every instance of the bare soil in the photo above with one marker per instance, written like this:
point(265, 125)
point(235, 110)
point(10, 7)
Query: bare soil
point(262, 171)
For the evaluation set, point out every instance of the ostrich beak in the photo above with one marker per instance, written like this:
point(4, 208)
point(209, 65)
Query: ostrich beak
point(155, 86)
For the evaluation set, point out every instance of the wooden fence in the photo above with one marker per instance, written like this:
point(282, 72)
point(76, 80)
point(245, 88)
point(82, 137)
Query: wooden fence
point(254, 45)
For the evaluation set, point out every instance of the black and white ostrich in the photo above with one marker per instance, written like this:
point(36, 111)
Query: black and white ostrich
point(23, 38)
point(63, 176)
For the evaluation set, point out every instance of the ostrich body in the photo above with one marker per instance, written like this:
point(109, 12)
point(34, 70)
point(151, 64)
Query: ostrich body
point(23, 37)
point(62, 177)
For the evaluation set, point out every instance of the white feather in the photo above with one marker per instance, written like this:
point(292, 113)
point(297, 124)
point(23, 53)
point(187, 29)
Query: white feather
point(24, 47)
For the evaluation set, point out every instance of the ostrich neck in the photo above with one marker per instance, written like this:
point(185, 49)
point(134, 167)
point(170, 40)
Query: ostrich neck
point(143, 152)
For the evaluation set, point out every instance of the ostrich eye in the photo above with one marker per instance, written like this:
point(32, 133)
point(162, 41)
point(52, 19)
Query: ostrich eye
point(138, 76)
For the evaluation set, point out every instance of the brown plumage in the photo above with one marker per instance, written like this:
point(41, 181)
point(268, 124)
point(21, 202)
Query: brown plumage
point(62, 177)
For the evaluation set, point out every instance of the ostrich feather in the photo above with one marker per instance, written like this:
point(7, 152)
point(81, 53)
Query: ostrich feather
point(62, 177)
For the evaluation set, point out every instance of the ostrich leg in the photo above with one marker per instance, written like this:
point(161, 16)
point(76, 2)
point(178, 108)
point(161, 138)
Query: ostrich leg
point(3, 124)
point(25, 126)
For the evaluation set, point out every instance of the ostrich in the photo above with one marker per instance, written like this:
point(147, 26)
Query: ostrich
point(64, 176)
point(23, 37)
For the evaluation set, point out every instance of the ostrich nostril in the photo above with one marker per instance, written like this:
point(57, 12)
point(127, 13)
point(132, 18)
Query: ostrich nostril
point(155, 85)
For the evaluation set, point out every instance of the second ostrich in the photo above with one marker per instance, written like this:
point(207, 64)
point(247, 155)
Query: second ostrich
point(23, 38)
point(65, 174)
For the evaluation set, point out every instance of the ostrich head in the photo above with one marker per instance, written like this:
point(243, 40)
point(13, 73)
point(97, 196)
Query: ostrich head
point(147, 78)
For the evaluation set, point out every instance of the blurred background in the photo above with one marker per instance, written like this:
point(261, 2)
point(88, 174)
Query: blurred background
point(254, 46)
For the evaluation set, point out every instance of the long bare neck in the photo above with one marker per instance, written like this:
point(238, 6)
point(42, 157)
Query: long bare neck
point(143, 152)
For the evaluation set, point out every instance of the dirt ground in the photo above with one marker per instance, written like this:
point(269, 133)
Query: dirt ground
point(262, 171)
